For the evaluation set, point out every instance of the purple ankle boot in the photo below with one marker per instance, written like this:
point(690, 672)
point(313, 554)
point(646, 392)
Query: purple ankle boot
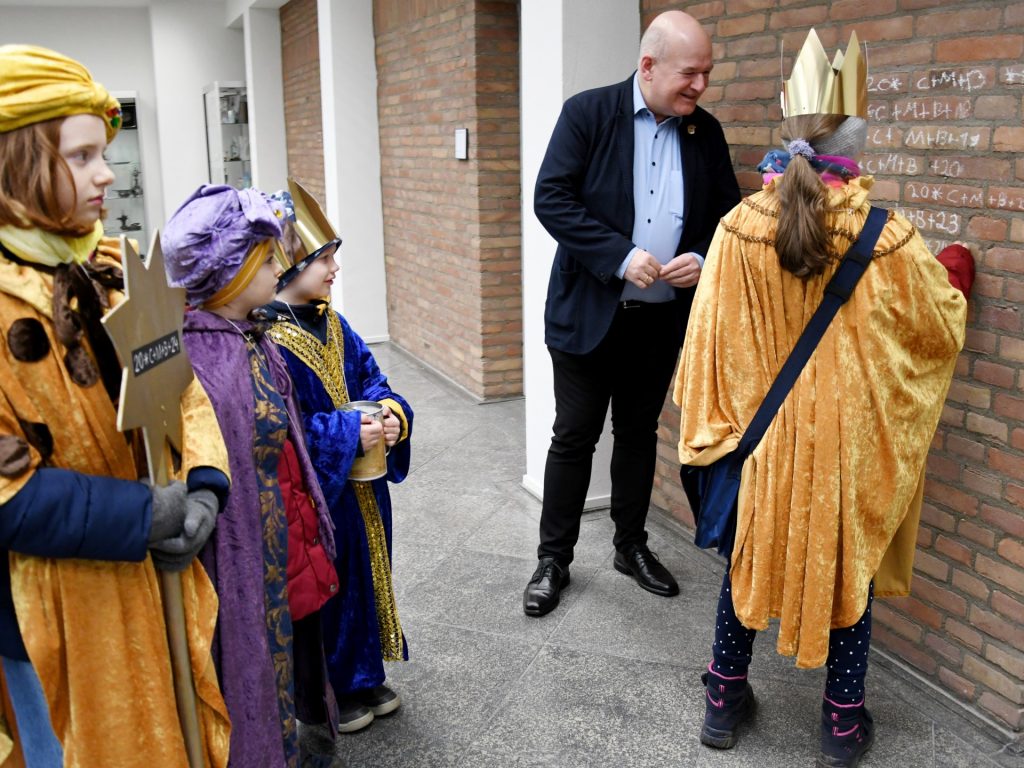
point(728, 703)
point(847, 732)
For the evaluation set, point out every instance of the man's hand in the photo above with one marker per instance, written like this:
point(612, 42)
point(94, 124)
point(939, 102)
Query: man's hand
point(682, 272)
point(643, 269)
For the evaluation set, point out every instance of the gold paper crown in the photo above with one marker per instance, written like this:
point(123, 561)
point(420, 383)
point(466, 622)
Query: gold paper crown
point(311, 223)
point(817, 87)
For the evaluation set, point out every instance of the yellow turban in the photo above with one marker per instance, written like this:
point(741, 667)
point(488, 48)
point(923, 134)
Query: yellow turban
point(38, 84)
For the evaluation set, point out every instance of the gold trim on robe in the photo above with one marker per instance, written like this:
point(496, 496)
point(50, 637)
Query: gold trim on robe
point(330, 369)
point(830, 499)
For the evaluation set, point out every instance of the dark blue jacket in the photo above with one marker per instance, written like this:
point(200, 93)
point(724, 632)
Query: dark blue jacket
point(584, 198)
point(66, 514)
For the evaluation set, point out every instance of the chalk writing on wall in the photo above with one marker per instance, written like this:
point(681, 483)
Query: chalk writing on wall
point(1012, 75)
point(884, 136)
point(932, 137)
point(885, 83)
point(921, 109)
point(943, 221)
point(1006, 199)
point(892, 164)
point(967, 80)
point(963, 197)
point(946, 166)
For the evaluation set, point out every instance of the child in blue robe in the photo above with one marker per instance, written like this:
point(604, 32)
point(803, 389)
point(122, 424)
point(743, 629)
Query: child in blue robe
point(332, 366)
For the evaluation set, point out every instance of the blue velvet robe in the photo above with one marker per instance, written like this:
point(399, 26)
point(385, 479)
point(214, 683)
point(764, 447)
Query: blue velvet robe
point(360, 625)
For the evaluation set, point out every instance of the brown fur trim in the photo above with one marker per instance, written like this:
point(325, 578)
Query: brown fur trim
point(27, 340)
point(80, 365)
point(14, 456)
point(66, 323)
point(107, 274)
point(39, 437)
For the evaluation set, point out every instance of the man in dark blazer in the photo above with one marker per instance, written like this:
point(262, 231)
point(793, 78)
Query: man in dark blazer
point(633, 184)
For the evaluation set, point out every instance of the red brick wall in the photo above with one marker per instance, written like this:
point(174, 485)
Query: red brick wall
point(300, 65)
point(452, 227)
point(946, 102)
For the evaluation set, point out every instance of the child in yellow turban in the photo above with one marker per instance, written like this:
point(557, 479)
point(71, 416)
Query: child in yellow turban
point(85, 676)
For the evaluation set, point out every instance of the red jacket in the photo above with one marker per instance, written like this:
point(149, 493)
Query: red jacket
point(312, 580)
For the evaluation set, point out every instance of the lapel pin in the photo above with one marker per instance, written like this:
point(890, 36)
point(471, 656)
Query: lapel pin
point(691, 129)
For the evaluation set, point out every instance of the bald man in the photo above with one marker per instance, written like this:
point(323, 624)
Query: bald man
point(634, 181)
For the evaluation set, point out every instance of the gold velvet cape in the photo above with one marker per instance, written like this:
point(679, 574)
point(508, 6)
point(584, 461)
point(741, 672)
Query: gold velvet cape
point(831, 498)
point(94, 630)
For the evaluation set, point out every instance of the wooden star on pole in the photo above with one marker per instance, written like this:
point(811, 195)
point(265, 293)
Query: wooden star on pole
point(146, 331)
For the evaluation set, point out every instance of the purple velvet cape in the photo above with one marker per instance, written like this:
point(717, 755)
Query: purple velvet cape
point(233, 557)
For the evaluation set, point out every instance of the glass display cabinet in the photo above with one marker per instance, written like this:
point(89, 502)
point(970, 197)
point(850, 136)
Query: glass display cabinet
point(125, 201)
point(227, 133)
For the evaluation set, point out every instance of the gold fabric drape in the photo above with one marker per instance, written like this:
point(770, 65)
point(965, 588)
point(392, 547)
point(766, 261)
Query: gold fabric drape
point(831, 497)
point(94, 630)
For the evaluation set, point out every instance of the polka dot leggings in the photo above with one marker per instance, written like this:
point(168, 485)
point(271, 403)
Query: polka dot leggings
point(847, 649)
point(848, 658)
point(734, 643)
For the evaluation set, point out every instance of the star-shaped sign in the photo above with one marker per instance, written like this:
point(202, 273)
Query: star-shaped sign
point(146, 331)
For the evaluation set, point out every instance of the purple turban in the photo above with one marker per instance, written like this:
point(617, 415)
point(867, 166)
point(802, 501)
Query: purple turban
point(206, 241)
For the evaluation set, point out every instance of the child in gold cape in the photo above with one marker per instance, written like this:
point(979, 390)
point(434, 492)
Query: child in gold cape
point(86, 676)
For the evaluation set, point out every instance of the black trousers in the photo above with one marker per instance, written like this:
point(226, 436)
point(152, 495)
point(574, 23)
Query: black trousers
point(630, 368)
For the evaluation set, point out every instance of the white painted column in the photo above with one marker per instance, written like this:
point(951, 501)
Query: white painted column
point(348, 87)
point(192, 47)
point(566, 46)
point(265, 91)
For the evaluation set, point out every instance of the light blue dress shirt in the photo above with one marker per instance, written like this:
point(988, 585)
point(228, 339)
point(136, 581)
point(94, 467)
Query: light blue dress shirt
point(657, 194)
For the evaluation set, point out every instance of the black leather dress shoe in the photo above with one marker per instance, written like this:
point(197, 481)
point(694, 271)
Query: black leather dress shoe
point(643, 565)
point(542, 593)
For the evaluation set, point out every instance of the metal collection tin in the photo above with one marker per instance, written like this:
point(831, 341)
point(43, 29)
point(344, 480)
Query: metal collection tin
point(373, 464)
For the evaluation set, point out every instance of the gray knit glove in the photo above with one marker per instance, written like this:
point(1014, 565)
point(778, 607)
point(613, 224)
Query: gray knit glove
point(177, 552)
point(169, 507)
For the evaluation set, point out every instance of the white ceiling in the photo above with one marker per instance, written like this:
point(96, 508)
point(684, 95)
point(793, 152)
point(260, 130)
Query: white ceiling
point(99, 3)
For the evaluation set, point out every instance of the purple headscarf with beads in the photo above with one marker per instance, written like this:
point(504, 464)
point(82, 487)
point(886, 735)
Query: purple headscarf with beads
point(206, 240)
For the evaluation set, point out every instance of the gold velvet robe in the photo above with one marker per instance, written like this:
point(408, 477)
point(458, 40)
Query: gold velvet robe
point(94, 630)
point(831, 498)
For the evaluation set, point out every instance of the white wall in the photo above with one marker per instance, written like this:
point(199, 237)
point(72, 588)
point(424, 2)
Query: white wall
point(190, 49)
point(600, 43)
point(348, 86)
point(166, 53)
point(114, 45)
point(566, 46)
point(267, 140)
point(540, 98)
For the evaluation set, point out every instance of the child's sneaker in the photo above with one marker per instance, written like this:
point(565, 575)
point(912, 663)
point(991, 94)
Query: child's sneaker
point(380, 700)
point(353, 715)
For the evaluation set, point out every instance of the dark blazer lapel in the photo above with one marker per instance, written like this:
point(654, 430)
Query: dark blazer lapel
point(625, 142)
point(687, 153)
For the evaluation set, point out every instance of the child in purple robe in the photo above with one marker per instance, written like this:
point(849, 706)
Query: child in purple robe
point(271, 555)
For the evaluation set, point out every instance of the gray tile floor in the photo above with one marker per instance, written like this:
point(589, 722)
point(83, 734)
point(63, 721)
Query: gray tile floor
point(611, 678)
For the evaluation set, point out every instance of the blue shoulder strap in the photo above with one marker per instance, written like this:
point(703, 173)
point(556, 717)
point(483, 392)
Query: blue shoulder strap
point(838, 290)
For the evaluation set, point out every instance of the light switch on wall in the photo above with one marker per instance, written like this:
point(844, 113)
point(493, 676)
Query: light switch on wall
point(461, 143)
